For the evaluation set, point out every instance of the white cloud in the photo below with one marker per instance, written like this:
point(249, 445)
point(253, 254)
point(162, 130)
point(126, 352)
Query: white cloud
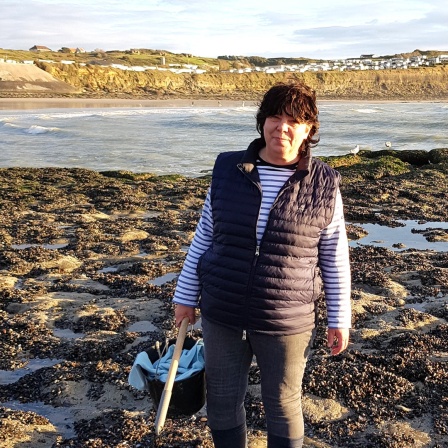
point(324, 29)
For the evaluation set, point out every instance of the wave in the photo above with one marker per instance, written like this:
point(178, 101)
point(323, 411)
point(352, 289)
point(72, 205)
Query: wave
point(365, 111)
point(180, 113)
point(7, 124)
point(63, 115)
point(106, 113)
point(39, 130)
point(8, 118)
point(34, 129)
point(184, 112)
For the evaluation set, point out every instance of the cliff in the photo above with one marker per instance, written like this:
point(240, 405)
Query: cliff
point(430, 83)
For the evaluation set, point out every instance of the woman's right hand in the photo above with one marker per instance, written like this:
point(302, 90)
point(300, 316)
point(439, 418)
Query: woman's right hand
point(183, 311)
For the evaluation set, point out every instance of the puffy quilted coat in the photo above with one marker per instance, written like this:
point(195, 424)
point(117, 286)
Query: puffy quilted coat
point(271, 287)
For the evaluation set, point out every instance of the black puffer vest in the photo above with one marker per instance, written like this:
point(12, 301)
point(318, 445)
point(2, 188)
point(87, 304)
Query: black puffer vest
point(271, 288)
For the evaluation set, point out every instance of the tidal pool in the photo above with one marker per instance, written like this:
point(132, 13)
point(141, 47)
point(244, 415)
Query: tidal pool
point(384, 236)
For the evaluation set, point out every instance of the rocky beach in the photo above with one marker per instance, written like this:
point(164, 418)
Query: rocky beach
point(88, 267)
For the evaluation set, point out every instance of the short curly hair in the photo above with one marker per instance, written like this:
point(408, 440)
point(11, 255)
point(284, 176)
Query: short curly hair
point(295, 99)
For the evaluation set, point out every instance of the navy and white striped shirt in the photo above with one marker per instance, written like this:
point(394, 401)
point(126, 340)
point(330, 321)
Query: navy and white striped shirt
point(333, 249)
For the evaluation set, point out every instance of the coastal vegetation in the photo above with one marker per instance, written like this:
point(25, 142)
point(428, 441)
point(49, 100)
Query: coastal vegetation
point(99, 56)
point(142, 56)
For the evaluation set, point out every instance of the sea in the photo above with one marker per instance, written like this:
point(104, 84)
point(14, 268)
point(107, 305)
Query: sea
point(186, 139)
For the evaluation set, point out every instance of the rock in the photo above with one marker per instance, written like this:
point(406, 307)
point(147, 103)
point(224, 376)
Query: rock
point(318, 410)
point(355, 232)
point(26, 429)
point(94, 217)
point(438, 155)
point(7, 281)
point(395, 290)
point(134, 235)
point(413, 157)
point(409, 435)
point(65, 264)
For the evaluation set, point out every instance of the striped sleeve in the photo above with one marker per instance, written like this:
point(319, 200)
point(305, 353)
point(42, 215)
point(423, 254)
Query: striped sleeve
point(188, 289)
point(335, 267)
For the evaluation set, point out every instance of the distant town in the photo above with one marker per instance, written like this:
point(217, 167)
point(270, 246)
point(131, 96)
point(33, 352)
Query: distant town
point(364, 62)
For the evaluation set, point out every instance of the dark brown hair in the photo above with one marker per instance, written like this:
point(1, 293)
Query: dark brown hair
point(295, 99)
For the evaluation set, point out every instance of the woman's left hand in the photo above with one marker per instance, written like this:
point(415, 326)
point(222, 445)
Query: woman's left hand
point(338, 339)
point(183, 311)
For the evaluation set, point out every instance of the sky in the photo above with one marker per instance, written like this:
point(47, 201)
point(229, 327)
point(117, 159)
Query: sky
point(319, 29)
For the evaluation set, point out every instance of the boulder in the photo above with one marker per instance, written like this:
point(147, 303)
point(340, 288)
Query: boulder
point(416, 157)
point(438, 155)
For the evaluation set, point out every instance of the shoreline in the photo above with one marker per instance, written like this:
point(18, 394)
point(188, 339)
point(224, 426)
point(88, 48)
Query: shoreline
point(49, 103)
point(57, 103)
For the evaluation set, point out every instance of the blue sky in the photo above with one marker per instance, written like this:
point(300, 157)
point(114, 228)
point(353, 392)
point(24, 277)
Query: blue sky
point(290, 28)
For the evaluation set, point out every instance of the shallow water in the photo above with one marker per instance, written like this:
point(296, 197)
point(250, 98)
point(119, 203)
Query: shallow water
point(61, 418)
point(383, 236)
point(11, 376)
point(159, 281)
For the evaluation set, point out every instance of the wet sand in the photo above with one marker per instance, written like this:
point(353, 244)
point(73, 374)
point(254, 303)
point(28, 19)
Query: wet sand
point(85, 103)
point(88, 266)
point(55, 103)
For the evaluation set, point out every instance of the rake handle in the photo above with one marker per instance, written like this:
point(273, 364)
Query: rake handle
point(168, 389)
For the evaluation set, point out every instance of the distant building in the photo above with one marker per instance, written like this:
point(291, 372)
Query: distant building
point(39, 48)
point(67, 50)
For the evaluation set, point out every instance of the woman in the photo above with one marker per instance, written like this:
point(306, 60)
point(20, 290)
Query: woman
point(272, 220)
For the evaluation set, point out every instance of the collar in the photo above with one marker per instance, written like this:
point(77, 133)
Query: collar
point(250, 157)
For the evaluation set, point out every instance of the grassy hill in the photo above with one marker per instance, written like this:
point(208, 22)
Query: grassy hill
point(154, 57)
point(141, 57)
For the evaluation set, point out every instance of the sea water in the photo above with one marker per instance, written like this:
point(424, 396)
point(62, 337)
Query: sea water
point(186, 140)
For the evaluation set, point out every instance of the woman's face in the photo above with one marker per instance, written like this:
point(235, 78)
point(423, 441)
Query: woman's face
point(283, 136)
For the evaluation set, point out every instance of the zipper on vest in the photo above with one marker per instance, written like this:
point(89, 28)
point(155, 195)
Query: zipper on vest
point(249, 287)
point(256, 255)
